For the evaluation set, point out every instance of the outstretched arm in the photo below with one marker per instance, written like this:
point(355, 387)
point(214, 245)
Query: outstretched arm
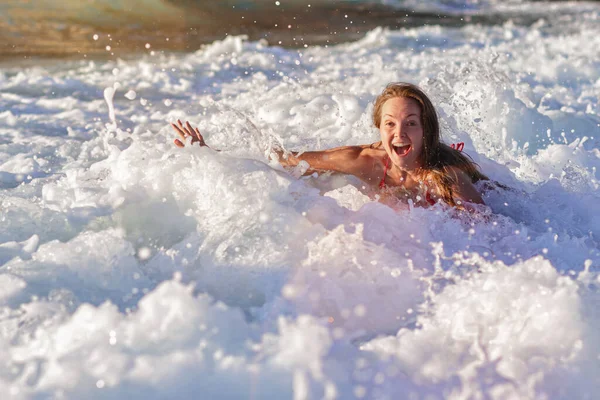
point(352, 160)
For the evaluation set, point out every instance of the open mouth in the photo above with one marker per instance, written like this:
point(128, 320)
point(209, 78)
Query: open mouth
point(401, 150)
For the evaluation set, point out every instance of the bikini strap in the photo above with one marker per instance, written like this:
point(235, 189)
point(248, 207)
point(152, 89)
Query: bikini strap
point(429, 199)
point(385, 169)
point(458, 146)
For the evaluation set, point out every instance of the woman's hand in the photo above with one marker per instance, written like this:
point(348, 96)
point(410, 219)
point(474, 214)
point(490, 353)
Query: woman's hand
point(186, 130)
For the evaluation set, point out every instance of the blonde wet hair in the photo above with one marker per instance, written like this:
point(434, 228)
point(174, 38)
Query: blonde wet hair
point(437, 158)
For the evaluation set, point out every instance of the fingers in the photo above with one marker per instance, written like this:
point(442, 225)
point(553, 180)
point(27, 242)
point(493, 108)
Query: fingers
point(187, 130)
point(191, 130)
point(200, 138)
point(179, 131)
point(184, 129)
point(199, 135)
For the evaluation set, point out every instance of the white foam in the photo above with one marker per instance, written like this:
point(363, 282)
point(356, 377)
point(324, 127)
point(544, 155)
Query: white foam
point(130, 268)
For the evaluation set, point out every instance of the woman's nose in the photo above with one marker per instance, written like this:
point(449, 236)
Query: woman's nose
point(399, 132)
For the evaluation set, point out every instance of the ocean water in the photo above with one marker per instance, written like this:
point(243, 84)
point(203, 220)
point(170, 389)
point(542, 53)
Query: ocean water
point(132, 269)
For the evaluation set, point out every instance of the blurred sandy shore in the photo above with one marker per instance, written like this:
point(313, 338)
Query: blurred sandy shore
point(75, 31)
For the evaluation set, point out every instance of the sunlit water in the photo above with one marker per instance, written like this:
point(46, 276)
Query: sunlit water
point(133, 269)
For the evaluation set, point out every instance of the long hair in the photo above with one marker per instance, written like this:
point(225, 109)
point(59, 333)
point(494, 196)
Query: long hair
point(437, 158)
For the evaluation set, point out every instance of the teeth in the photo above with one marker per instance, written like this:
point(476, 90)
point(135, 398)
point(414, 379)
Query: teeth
point(401, 149)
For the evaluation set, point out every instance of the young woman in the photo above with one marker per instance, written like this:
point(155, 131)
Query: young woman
point(409, 161)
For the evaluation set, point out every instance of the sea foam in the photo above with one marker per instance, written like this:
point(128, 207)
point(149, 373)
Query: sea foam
point(132, 268)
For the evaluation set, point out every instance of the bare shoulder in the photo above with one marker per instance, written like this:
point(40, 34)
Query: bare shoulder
point(459, 175)
point(372, 164)
point(372, 156)
point(361, 161)
point(359, 153)
point(368, 151)
point(464, 188)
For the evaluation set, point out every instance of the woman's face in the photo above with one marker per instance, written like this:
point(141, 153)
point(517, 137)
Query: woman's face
point(402, 132)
